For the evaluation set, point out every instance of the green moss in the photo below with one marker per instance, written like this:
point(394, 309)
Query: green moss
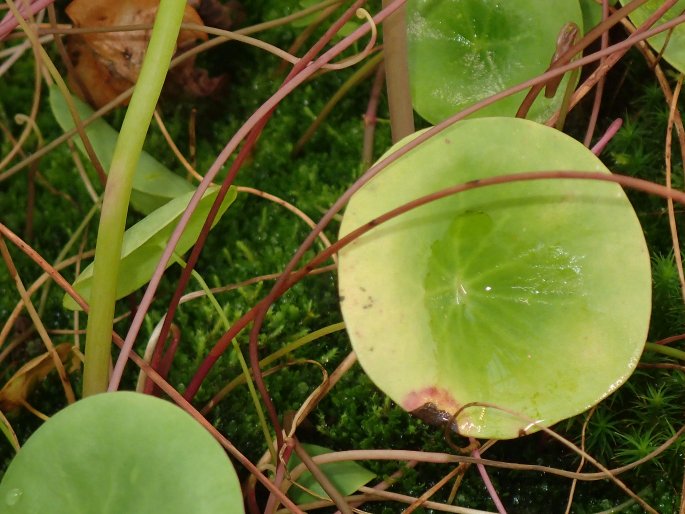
point(257, 237)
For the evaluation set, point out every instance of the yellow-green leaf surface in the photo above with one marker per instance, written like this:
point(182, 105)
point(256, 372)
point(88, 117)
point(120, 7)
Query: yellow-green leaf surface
point(463, 51)
point(533, 296)
point(145, 241)
point(674, 52)
point(153, 183)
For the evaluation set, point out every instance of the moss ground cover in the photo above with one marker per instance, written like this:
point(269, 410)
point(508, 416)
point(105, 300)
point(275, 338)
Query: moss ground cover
point(257, 237)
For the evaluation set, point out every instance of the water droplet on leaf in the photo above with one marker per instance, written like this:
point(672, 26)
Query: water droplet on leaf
point(13, 497)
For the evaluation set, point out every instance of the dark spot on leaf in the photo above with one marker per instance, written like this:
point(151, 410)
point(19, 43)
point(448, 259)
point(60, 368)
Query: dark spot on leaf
point(430, 413)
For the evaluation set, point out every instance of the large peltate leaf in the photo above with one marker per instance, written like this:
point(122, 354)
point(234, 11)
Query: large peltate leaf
point(121, 452)
point(145, 241)
point(153, 183)
point(463, 51)
point(533, 296)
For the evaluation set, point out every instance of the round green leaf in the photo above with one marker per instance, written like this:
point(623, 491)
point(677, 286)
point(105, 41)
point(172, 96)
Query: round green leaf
point(121, 452)
point(463, 51)
point(533, 296)
point(674, 52)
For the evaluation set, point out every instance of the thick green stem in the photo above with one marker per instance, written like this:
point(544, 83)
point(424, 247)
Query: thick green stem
point(397, 73)
point(118, 192)
point(665, 350)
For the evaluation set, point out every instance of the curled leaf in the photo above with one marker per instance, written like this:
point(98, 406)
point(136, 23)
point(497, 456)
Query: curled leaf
point(18, 388)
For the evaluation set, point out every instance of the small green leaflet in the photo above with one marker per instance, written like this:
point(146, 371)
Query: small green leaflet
point(153, 184)
point(346, 476)
point(145, 241)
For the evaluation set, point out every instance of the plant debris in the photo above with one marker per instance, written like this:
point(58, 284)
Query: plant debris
point(105, 64)
point(15, 392)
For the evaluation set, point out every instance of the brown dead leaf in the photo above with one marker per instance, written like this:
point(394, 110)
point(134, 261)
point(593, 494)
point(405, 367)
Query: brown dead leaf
point(216, 13)
point(92, 82)
point(17, 389)
point(194, 82)
point(108, 63)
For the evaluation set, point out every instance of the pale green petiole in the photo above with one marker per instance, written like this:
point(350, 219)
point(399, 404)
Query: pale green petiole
point(118, 191)
point(665, 350)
